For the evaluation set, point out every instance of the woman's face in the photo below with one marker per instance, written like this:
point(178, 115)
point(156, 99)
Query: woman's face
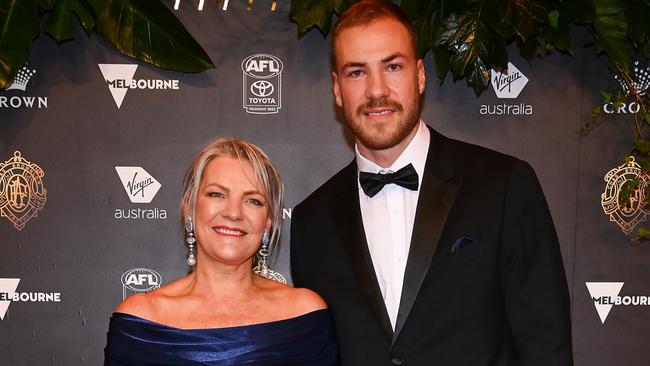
point(231, 212)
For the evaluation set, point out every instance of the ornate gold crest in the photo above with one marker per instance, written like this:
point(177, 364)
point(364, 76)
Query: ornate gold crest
point(629, 212)
point(22, 194)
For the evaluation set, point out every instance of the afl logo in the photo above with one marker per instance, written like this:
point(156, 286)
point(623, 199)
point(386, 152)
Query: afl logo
point(262, 66)
point(262, 81)
point(141, 280)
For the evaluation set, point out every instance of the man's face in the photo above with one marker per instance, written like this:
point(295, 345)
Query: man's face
point(378, 82)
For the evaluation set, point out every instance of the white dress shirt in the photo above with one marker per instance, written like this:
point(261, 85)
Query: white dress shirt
point(388, 219)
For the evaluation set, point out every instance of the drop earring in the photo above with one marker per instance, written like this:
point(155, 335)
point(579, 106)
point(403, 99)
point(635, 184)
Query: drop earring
point(262, 268)
point(190, 240)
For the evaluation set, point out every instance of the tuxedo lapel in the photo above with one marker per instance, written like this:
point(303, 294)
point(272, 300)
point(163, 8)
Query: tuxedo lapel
point(437, 194)
point(346, 214)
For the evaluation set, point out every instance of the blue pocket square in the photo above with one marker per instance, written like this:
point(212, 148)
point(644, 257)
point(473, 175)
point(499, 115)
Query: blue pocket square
point(462, 242)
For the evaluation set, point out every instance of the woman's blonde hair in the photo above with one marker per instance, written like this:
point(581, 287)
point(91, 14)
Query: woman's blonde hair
point(265, 173)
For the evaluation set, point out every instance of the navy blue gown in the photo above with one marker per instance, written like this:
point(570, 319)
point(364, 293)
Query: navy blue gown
point(308, 339)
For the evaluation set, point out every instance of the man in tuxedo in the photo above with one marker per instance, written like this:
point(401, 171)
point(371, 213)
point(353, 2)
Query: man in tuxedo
point(429, 251)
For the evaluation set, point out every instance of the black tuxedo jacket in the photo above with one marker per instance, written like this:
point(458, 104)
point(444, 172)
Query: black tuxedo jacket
point(484, 282)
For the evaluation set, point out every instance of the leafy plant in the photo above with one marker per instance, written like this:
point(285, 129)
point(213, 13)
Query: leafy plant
point(147, 31)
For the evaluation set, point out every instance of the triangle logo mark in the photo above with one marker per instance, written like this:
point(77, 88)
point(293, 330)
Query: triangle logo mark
point(7, 286)
point(113, 72)
point(598, 290)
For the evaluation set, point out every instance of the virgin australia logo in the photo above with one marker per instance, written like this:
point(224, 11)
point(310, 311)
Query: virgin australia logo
point(139, 185)
point(509, 83)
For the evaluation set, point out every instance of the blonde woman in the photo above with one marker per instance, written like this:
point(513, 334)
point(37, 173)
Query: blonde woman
point(226, 312)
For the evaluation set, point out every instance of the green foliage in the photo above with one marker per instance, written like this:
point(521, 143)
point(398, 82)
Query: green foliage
point(645, 164)
point(557, 32)
point(147, 31)
point(642, 146)
point(475, 41)
point(643, 234)
point(150, 32)
point(525, 16)
point(428, 21)
point(309, 14)
point(19, 25)
point(610, 31)
point(60, 24)
point(637, 16)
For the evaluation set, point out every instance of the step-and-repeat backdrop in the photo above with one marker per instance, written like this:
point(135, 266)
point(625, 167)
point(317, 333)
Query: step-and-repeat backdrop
point(93, 147)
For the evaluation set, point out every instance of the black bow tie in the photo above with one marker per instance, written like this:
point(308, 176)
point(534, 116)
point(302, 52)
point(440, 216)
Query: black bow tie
point(372, 183)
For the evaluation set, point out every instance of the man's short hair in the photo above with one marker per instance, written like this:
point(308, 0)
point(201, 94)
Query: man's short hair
point(366, 12)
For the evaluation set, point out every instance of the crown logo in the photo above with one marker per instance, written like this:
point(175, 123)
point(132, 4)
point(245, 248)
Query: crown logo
point(22, 78)
point(640, 80)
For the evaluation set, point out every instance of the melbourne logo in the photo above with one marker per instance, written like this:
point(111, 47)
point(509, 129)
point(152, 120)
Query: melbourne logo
point(20, 83)
point(139, 280)
point(22, 193)
point(606, 294)
point(508, 84)
point(640, 81)
point(262, 84)
point(140, 187)
point(120, 80)
point(8, 295)
point(627, 210)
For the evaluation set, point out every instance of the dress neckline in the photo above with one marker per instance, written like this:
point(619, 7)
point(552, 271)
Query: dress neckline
point(273, 322)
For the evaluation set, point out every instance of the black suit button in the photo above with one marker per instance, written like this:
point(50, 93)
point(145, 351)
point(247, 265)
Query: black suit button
point(396, 360)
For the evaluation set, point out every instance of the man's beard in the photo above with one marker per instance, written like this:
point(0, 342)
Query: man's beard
point(386, 135)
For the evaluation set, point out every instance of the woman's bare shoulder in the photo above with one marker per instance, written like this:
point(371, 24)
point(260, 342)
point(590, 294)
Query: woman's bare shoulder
point(136, 304)
point(295, 301)
point(305, 300)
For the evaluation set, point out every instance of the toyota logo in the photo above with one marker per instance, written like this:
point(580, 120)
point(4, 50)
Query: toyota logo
point(262, 88)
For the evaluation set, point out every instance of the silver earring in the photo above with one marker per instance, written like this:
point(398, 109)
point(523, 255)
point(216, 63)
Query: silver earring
point(262, 268)
point(190, 240)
